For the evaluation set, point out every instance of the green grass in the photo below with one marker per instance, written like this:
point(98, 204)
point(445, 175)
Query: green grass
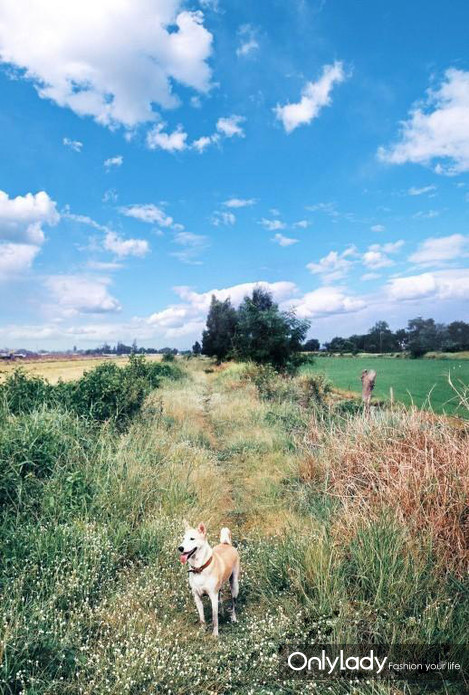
point(421, 382)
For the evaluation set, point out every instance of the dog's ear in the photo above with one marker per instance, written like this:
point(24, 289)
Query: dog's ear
point(186, 524)
point(201, 529)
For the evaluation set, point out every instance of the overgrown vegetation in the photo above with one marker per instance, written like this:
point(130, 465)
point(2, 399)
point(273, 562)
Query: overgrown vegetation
point(350, 529)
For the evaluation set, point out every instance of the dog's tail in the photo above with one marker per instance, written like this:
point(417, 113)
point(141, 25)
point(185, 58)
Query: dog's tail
point(225, 536)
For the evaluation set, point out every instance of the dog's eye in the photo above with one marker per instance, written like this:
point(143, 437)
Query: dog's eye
point(192, 539)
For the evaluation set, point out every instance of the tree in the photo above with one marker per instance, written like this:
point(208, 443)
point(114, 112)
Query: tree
point(311, 345)
point(217, 338)
point(267, 335)
point(196, 348)
point(458, 334)
point(423, 335)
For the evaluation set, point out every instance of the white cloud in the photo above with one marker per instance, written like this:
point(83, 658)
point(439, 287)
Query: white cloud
point(231, 126)
point(301, 224)
point(111, 162)
point(152, 214)
point(421, 191)
point(125, 247)
point(436, 250)
point(272, 225)
point(22, 218)
point(170, 142)
point(224, 218)
point(314, 97)
point(437, 130)
point(378, 228)
point(282, 240)
point(82, 294)
point(377, 254)
point(440, 285)
point(15, 259)
point(333, 266)
point(248, 42)
point(239, 202)
point(106, 60)
point(325, 301)
point(104, 265)
point(74, 145)
point(203, 142)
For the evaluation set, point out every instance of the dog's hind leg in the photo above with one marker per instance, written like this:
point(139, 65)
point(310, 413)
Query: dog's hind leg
point(199, 606)
point(214, 601)
point(234, 585)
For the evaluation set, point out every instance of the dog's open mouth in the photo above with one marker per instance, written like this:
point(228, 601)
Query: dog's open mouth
point(185, 556)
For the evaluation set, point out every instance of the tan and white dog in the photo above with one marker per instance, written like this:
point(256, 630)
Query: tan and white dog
point(210, 568)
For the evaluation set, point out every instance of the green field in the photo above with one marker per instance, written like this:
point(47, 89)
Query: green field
point(422, 382)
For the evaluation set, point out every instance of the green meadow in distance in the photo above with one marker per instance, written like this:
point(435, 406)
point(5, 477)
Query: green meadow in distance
point(423, 382)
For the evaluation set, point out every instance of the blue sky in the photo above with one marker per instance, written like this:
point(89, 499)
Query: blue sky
point(157, 151)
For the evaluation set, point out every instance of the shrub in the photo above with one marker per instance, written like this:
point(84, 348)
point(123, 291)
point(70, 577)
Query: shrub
point(22, 393)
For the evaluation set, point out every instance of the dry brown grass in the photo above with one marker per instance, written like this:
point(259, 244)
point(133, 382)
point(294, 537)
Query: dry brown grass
point(407, 462)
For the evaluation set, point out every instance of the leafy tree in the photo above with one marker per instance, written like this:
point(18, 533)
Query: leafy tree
point(267, 335)
point(311, 345)
point(458, 334)
point(422, 336)
point(217, 338)
point(196, 348)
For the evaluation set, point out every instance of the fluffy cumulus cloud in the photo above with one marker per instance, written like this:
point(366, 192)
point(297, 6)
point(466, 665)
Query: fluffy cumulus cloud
point(125, 247)
point(377, 255)
point(326, 301)
point(314, 97)
point(436, 250)
point(111, 61)
point(282, 240)
point(231, 126)
point(157, 138)
point(15, 259)
point(21, 230)
point(439, 285)
point(82, 294)
point(334, 266)
point(437, 130)
point(22, 218)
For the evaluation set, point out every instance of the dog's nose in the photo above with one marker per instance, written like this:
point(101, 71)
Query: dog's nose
point(181, 548)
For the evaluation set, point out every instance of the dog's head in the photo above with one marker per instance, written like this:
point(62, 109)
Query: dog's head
point(193, 539)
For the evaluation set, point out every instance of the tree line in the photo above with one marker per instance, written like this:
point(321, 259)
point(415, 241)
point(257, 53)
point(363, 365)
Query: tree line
point(259, 331)
point(420, 336)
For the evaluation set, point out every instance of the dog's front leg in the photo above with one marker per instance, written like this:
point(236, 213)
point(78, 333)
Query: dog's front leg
point(200, 606)
point(214, 600)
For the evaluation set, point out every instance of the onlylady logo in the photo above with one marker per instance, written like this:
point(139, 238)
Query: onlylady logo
point(324, 664)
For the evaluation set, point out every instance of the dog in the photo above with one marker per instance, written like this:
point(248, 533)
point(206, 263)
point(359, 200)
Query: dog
point(210, 568)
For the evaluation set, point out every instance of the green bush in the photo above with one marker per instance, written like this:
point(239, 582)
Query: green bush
point(22, 393)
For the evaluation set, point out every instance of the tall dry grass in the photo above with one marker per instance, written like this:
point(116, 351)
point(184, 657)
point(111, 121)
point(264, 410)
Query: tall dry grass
point(408, 464)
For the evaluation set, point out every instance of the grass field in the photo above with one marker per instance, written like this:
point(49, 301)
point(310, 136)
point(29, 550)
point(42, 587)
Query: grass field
point(349, 529)
point(66, 370)
point(421, 382)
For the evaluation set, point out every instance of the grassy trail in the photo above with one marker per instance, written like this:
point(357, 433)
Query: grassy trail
point(111, 601)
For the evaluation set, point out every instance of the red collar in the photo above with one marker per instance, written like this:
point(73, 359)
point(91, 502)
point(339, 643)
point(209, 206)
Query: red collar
point(198, 570)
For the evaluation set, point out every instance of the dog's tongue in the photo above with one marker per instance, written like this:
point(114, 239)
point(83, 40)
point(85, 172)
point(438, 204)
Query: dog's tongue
point(183, 558)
